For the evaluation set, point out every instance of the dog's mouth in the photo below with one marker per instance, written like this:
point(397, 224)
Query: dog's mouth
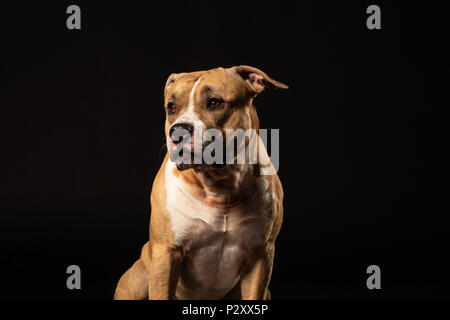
point(199, 167)
point(186, 157)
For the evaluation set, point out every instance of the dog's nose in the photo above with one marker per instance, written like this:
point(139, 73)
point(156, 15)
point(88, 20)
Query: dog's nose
point(180, 130)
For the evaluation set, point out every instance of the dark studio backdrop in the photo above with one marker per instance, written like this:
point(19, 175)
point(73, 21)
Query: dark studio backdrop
point(363, 131)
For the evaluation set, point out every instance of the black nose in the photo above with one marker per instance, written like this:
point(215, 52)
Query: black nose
point(183, 129)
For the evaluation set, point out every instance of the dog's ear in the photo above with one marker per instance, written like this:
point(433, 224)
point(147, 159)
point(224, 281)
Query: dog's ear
point(258, 80)
point(170, 80)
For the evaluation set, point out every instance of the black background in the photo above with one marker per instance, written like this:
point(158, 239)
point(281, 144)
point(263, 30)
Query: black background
point(363, 129)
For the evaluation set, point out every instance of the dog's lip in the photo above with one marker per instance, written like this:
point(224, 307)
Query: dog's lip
point(191, 152)
point(197, 166)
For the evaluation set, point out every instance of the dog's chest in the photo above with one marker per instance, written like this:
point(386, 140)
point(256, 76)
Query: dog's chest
point(215, 244)
point(196, 225)
point(215, 241)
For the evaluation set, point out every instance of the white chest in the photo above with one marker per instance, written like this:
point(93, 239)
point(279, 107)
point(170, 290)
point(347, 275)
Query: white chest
point(194, 222)
point(215, 241)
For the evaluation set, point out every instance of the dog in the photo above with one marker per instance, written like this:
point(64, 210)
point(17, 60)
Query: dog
point(212, 226)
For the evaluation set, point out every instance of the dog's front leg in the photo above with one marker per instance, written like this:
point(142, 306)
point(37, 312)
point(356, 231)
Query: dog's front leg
point(256, 273)
point(164, 271)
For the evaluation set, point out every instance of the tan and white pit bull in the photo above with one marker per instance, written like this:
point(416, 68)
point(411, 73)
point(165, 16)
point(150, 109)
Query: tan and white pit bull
point(212, 228)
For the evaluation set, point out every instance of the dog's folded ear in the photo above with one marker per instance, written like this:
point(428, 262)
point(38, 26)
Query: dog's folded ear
point(257, 80)
point(170, 80)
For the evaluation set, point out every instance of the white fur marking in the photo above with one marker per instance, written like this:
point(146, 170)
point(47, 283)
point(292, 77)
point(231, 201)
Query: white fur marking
point(190, 108)
point(184, 209)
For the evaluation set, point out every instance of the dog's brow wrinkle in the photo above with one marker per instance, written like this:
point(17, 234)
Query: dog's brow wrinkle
point(206, 88)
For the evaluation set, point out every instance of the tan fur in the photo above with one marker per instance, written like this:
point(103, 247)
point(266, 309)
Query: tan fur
point(165, 267)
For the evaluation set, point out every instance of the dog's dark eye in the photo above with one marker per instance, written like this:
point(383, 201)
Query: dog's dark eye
point(171, 107)
point(214, 103)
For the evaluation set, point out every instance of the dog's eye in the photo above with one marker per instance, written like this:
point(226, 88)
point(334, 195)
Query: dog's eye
point(214, 103)
point(171, 107)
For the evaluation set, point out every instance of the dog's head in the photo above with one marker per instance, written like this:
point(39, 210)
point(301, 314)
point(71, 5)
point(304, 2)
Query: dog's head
point(200, 106)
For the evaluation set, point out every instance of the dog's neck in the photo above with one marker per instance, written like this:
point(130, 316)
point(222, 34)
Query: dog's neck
point(220, 187)
point(224, 181)
point(228, 185)
point(225, 186)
